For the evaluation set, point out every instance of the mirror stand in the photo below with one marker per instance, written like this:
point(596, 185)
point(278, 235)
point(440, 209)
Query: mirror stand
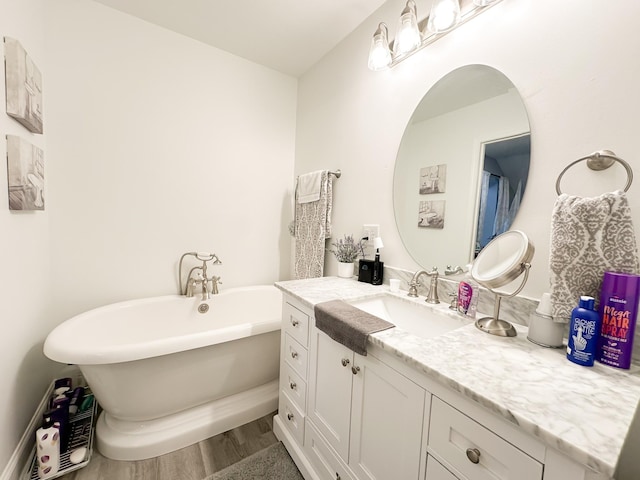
point(494, 325)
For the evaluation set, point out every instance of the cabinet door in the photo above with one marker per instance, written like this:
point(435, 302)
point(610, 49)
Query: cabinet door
point(386, 422)
point(330, 381)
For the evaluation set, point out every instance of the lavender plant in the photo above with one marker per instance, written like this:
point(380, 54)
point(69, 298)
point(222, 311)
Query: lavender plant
point(347, 250)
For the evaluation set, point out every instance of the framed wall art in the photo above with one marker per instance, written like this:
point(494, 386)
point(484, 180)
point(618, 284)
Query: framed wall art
point(25, 174)
point(433, 179)
point(431, 214)
point(23, 86)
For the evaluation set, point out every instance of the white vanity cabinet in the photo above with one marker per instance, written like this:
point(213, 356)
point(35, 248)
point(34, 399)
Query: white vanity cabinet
point(294, 357)
point(367, 412)
point(344, 416)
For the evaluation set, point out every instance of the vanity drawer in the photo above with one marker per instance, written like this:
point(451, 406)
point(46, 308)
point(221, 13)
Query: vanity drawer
point(295, 355)
point(473, 450)
point(325, 462)
point(295, 323)
point(292, 417)
point(293, 385)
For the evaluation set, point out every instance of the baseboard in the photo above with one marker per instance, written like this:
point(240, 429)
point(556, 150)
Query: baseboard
point(21, 458)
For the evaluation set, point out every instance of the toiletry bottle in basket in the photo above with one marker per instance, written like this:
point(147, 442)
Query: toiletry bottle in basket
point(48, 450)
point(584, 331)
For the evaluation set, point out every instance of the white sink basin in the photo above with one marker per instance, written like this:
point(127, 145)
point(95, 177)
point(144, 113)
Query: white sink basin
point(410, 316)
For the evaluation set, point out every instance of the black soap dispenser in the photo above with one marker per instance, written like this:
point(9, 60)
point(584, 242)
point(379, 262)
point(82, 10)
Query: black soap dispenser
point(378, 266)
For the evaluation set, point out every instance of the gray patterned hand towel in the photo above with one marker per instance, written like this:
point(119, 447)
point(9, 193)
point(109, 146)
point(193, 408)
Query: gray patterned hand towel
point(312, 225)
point(589, 236)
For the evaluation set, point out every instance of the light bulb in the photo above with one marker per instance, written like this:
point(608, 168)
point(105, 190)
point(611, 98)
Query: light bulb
point(444, 15)
point(408, 33)
point(379, 54)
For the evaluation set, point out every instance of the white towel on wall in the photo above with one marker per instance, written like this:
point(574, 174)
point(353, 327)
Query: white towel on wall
point(589, 236)
point(312, 225)
point(309, 186)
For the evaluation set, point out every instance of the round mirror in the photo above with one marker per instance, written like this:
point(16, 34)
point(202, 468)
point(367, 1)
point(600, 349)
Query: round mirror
point(462, 166)
point(503, 260)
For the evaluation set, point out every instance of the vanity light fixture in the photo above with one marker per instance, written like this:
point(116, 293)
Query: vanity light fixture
point(413, 35)
point(380, 54)
point(408, 34)
point(445, 14)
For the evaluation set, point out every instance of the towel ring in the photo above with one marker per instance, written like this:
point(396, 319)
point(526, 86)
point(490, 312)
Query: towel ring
point(600, 160)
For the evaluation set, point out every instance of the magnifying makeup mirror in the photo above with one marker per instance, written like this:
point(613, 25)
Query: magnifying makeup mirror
point(503, 260)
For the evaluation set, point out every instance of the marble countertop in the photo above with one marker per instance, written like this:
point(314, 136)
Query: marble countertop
point(581, 411)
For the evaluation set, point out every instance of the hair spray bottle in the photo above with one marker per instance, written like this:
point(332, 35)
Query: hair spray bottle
point(619, 310)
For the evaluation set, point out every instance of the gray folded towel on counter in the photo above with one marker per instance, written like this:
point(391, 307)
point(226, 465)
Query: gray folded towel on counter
point(347, 324)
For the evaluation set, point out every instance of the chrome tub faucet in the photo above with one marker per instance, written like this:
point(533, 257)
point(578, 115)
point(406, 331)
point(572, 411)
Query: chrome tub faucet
point(432, 296)
point(198, 275)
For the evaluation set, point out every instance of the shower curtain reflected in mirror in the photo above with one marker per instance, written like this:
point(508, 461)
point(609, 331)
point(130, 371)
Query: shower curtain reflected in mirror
point(498, 207)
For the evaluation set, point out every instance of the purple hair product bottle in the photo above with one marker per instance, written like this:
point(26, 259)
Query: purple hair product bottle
point(619, 299)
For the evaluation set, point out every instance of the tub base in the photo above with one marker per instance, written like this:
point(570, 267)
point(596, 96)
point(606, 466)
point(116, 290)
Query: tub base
point(126, 440)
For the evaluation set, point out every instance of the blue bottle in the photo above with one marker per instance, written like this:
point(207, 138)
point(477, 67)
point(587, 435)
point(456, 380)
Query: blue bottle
point(583, 333)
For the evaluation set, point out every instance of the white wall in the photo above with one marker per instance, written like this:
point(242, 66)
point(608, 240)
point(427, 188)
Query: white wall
point(160, 145)
point(24, 256)
point(573, 62)
point(155, 145)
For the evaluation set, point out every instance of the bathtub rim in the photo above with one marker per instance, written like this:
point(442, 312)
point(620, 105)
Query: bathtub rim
point(56, 346)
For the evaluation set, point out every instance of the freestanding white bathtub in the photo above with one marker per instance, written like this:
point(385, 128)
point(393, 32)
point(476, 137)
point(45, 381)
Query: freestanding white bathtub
point(168, 376)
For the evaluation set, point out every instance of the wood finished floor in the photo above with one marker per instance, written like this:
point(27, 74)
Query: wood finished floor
point(194, 462)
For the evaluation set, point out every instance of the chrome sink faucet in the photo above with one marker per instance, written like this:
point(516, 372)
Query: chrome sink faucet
point(453, 270)
point(432, 296)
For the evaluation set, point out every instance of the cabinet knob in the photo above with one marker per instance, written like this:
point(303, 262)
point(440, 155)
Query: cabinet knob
point(355, 370)
point(473, 454)
point(290, 416)
point(292, 385)
point(337, 476)
point(294, 354)
point(345, 362)
point(294, 322)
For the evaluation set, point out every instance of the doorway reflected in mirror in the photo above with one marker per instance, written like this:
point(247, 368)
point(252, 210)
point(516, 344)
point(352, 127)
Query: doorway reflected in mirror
point(504, 179)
